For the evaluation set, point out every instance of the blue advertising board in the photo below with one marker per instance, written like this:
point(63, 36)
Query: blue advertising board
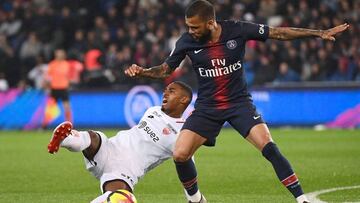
point(301, 107)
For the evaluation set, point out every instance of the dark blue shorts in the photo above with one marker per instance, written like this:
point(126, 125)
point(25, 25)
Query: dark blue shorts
point(208, 122)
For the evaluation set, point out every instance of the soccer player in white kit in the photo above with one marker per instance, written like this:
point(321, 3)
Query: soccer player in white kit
point(120, 161)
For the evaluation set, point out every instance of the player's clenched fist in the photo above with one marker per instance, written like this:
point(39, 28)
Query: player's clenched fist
point(134, 70)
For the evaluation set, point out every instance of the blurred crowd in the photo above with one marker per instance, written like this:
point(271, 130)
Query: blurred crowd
point(102, 37)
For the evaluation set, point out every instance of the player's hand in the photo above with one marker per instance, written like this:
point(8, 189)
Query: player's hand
point(134, 70)
point(329, 34)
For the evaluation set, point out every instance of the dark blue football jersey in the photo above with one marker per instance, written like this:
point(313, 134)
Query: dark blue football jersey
point(219, 66)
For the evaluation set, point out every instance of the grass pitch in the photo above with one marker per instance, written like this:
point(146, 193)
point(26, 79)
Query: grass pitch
point(233, 171)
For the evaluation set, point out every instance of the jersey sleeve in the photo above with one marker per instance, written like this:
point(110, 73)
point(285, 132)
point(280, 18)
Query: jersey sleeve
point(252, 31)
point(176, 56)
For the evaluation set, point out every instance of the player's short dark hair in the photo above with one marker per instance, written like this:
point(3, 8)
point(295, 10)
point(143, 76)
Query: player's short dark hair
point(204, 9)
point(185, 87)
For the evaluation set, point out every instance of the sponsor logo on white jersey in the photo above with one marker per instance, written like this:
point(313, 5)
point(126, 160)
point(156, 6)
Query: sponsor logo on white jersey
point(143, 125)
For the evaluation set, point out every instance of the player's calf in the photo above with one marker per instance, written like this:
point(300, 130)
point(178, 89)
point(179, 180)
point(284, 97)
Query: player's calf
point(283, 169)
point(188, 177)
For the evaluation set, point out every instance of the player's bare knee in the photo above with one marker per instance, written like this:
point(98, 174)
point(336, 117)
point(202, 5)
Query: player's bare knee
point(262, 140)
point(266, 140)
point(181, 155)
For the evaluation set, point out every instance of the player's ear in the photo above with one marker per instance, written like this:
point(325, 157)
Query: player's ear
point(210, 24)
point(184, 100)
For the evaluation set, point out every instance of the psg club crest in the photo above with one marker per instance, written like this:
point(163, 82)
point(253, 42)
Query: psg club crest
point(231, 44)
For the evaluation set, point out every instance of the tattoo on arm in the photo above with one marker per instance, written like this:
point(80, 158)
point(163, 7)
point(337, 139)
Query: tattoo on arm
point(289, 33)
point(158, 72)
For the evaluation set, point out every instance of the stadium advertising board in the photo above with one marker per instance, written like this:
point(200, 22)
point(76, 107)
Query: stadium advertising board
point(305, 107)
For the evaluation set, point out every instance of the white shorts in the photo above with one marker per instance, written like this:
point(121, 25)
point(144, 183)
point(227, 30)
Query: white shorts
point(114, 162)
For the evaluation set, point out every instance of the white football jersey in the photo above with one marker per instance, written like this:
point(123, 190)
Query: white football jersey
point(152, 141)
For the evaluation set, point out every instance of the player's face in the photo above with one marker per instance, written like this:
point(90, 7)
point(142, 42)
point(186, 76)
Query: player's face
point(198, 28)
point(172, 96)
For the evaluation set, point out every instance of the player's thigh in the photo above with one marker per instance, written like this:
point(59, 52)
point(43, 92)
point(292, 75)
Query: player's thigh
point(186, 144)
point(202, 123)
point(259, 136)
point(244, 117)
point(113, 166)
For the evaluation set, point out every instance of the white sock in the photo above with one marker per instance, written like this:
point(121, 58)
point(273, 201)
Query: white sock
point(102, 198)
point(302, 199)
point(76, 141)
point(193, 198)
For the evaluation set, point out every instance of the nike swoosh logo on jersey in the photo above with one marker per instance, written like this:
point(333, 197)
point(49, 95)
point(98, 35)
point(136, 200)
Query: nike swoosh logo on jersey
point(197, 51)
point(256, 117)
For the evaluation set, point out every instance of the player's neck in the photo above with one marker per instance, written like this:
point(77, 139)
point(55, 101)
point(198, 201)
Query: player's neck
point(216, 33)
point(173, 114)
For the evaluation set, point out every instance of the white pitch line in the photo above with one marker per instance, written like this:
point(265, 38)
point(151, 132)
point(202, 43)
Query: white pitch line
point(313, 195)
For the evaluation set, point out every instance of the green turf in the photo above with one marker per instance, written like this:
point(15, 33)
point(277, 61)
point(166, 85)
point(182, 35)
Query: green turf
point(233, 171)
point(351, 195)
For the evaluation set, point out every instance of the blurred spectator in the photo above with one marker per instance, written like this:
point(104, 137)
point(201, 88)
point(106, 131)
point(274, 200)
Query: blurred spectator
point(138, 29)
point(38, 73)
point(357, 76)
point(264, 72)
point(267, 8)
point(79, 45)
point(91, 59)
point(9, 64)
point(29, 50)
point(3, 83)
point(249, 66)
point(11, 26)
point(315, 73)
point(327, 63)
point(286, 74)
point(294, 61)
point(75, 70)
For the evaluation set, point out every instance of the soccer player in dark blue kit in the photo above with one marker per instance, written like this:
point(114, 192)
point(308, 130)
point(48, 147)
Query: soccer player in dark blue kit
point(216, 49)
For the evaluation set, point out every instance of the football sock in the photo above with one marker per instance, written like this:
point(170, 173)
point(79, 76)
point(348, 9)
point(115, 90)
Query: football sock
point(193, 198)
point(302, 199)
point(77, 141)
point(101, 198)
point(188, 176)
point(282, 168)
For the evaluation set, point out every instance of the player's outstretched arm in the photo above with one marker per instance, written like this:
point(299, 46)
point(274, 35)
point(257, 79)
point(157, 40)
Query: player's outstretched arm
point(289, 33)
point(158, 72)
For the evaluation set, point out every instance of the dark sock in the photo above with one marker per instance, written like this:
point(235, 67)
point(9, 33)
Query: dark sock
point(282, 168)
point(187, 175)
